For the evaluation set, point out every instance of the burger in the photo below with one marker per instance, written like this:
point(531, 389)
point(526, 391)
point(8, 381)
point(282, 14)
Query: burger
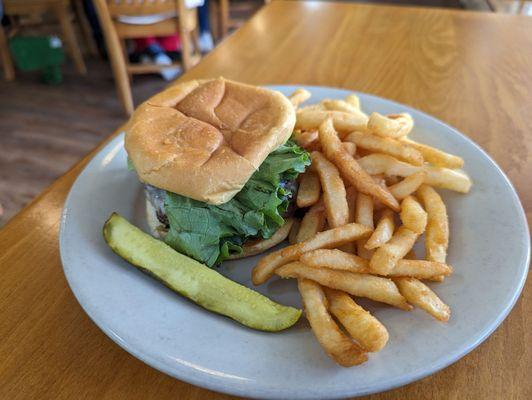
point(217, 163)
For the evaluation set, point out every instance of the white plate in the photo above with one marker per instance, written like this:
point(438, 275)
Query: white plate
point(489, 250)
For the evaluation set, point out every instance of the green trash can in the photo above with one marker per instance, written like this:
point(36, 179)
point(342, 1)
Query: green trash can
point(39, 53)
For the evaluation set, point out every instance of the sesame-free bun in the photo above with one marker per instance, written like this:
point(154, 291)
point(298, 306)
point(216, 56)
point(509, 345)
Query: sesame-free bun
point(204, 139)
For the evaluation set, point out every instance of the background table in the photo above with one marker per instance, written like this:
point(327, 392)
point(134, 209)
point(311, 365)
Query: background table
point(470, 70)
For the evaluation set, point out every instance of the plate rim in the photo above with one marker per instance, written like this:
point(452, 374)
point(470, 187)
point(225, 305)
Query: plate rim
point(231, 387)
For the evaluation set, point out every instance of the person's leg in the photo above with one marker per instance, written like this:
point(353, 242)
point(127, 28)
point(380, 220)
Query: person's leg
point(169, 43)
point(206, 43)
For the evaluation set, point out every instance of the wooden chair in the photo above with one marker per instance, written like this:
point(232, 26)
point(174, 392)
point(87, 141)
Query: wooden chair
point(220, 19)
point(61, 10)
point(181, 20)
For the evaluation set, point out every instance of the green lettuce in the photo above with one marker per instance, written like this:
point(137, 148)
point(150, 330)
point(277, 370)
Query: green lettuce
point(210, 234)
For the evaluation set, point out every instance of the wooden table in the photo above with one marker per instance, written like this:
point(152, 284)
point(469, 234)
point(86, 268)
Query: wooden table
point(470, 70)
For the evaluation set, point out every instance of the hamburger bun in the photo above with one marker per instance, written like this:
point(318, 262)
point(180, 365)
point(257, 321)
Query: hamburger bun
point(204, 139)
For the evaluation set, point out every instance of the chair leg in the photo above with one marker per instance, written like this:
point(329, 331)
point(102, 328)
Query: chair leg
point(194, 35)
point(85, 28)
point(214, 20)
point(116, 56)
point(224, 18)
point(9, 71)
point(69, 37)
point(184, 35)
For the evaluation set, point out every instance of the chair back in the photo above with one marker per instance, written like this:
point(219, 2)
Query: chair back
point(141, 7)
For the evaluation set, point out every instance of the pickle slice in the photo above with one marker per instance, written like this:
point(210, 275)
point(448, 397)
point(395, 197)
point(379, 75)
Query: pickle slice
point(197, 282)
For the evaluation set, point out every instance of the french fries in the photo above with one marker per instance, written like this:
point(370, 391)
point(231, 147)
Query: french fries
point(408, 185)
point(294, 230)
point(299, 96)
point(309, 190)
point(349, 167)
point(364, 216)
point(312, 223)
point(353, 100)
point(383, 231)
point(364, 171)
point(444, 178)
point(436, 156)
point(351, 195)
point(394, 126)
point(343, 122)
point(306, 139)
point(334, 195)
point(421, 269)
point(351, 148)
point(437, 231)
point(331, 238)
point(386, 145)
point(340, 105)
point(413, 216)
point(342, 261)
point(359, 323)
point(421, 296)
point(337, 345)
point(363, 285)
point(377, 163)
point(335, 259)
point(259, 246)
point(386, 256)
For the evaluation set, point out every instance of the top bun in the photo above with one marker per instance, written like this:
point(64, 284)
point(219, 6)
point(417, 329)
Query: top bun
point(204, 139)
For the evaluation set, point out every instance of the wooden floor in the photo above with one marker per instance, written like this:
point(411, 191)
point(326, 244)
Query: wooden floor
point(45, 129)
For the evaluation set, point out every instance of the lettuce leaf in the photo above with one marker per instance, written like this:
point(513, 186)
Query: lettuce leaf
point(210, 234)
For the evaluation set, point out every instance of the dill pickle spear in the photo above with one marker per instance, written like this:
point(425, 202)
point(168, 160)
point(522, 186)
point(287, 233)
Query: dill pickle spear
point(194, 280)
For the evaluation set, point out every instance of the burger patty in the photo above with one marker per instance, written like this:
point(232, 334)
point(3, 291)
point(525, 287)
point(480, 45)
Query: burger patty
point(157, 196)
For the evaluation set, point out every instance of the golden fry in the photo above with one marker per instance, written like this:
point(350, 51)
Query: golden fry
point(309, 190)
point(363, 285)
point(351, 148)
point(340, 105)
point(359, 323)
point(334, 195)
point(351, 195)
point(421, 296)
point(331, 238)
point(413, 216)
point(349, 167)
point(377, 163)
point(335, 259)
point(364, 216)
point(436, 156)
point(299, 96)
point(337, 345)
point(306, 139)
point(353, 100)
point(408, 185)
point(394, 126)
point(386, 256)
point(421, 269)
point(384, 230)
point(446, 178)
point(392, 147)
point(294, 231)
point(343, 122)
point(313, 222)
point(437, 231)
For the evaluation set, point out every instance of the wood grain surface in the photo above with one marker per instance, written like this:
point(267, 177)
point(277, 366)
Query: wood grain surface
point(470, 70)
